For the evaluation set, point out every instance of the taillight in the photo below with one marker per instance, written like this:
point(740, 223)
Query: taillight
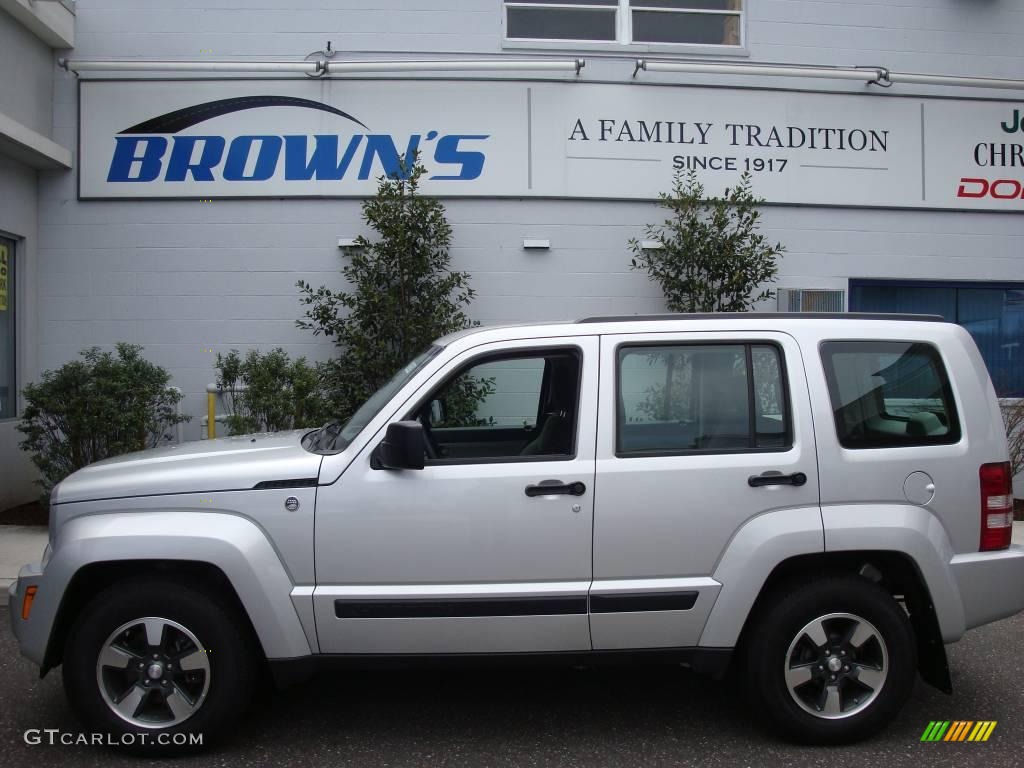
point(996, 506)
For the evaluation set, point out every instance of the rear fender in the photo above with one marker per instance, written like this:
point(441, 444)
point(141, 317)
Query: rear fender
point(754, 552)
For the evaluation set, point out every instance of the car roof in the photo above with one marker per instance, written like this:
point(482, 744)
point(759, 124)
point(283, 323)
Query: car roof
point(765, 315)
point(645, 323)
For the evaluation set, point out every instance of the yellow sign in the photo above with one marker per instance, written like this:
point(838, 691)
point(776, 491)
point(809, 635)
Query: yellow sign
point(4, 272)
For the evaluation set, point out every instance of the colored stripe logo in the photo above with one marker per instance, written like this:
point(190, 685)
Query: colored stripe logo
point(958, 730)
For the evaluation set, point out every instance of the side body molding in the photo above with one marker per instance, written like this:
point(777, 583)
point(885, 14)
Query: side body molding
point(232, 543)
point(913, 531)
point(761, 544)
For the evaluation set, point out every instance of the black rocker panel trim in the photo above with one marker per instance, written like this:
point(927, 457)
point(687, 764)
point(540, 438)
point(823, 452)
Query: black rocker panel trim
point(451, 608)
point(557, 605)
point(706, 661)
point(630, 602)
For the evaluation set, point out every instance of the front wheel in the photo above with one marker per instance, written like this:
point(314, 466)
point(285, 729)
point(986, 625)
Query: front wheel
point(831, 661)
point(158, 667)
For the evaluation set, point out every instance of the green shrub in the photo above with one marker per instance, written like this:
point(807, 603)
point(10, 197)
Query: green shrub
point(402, 295)
point(102, 405)
point(270, 392)
point(712, 257)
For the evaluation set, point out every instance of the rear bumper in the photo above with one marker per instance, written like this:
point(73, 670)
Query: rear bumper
point(991, 584)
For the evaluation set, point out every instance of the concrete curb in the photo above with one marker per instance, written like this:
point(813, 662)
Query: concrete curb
point(19, 544)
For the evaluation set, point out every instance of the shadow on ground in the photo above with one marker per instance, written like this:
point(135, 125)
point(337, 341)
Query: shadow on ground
point(653, 716)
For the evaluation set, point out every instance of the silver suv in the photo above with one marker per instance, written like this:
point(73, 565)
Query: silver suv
point(822, 501)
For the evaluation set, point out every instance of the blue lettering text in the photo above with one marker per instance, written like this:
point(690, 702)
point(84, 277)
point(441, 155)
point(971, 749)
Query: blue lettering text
point(129, 165)
point(180, 162)
point(448, 152)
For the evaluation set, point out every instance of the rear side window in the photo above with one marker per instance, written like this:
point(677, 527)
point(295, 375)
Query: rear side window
point(888, 394)
point(690, 398)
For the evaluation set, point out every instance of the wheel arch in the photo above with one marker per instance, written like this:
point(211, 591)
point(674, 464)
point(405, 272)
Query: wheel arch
point(897, 572)
point(93, 578)
point(218, 550)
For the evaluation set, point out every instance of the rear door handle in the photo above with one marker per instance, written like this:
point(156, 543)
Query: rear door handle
point(556, 488)
point(776, 478)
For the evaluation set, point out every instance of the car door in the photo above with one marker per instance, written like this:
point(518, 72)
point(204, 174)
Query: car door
point(698, 433)
point(487, 549)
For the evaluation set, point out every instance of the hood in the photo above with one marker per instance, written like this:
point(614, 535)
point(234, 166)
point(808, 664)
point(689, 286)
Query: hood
point(225, 464)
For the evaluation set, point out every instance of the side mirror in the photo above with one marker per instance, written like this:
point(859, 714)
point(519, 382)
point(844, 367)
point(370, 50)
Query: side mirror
point(403, 447)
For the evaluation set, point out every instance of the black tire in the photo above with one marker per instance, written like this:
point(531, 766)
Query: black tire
point(213, 619)
point(780, 619)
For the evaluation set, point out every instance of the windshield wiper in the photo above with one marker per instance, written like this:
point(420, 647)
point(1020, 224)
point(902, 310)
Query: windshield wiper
point(324, 438)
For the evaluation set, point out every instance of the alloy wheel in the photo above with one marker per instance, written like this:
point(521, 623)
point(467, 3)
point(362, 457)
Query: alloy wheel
point(153, 672)
point(836, 666)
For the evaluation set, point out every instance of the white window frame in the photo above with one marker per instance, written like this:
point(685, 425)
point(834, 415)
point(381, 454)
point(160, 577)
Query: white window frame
point(624, 31)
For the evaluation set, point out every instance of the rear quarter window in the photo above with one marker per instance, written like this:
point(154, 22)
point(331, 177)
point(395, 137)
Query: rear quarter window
point(889, 394)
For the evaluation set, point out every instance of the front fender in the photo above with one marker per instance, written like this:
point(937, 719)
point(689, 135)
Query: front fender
point(231, 543)
point(754, 552)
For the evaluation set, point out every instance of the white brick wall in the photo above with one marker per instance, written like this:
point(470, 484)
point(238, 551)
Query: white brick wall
point(26, 87)
point(26, 95)
point(183, 278)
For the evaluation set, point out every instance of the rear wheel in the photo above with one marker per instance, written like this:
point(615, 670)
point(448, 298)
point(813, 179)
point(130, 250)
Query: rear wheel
point(159, 666)
point(832, 660)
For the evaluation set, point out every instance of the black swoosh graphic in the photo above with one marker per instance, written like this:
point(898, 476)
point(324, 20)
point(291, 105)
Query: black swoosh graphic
point(179, 119)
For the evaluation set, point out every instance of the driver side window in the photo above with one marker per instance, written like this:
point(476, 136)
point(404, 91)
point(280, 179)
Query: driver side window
point(517, 406)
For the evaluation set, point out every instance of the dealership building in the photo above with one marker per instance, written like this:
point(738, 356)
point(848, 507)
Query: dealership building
point(168, 171)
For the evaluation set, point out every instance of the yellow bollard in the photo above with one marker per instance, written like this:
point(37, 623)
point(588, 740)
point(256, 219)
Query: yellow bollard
point(211, 415)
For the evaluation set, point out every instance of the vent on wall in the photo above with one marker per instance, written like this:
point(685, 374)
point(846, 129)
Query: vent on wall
point(811, 300)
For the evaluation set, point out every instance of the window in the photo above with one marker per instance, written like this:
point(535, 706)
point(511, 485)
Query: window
point(594, 20)
point(701, 22)
point(645, 22)
point(993, 313)
point(888, 394)
point(8, 375)
point(510, 406)
point(701, 398)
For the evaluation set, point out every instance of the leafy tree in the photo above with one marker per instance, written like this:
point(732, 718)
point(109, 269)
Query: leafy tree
point(712, 257)
point(402, 293)
point(1013, 419)
point(460, 399)
point(270, 392)
point(102, 405)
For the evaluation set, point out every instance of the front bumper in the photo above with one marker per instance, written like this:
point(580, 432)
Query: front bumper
point(991, 584)
point(31, 634)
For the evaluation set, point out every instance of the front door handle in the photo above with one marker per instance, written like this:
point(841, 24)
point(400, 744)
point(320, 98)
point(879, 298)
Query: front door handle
point(556, 488)
point(777, 478)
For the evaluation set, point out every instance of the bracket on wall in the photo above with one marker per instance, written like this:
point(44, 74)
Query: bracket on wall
point(322, 58)
point(882, 81)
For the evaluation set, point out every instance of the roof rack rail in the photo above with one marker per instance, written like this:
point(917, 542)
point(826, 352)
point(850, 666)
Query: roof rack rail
point(759, 315)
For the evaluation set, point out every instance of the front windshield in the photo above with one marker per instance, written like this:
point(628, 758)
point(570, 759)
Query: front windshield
point(364, 415)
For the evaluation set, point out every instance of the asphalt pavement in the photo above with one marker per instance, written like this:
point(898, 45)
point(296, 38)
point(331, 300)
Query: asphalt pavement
point(585, 718)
